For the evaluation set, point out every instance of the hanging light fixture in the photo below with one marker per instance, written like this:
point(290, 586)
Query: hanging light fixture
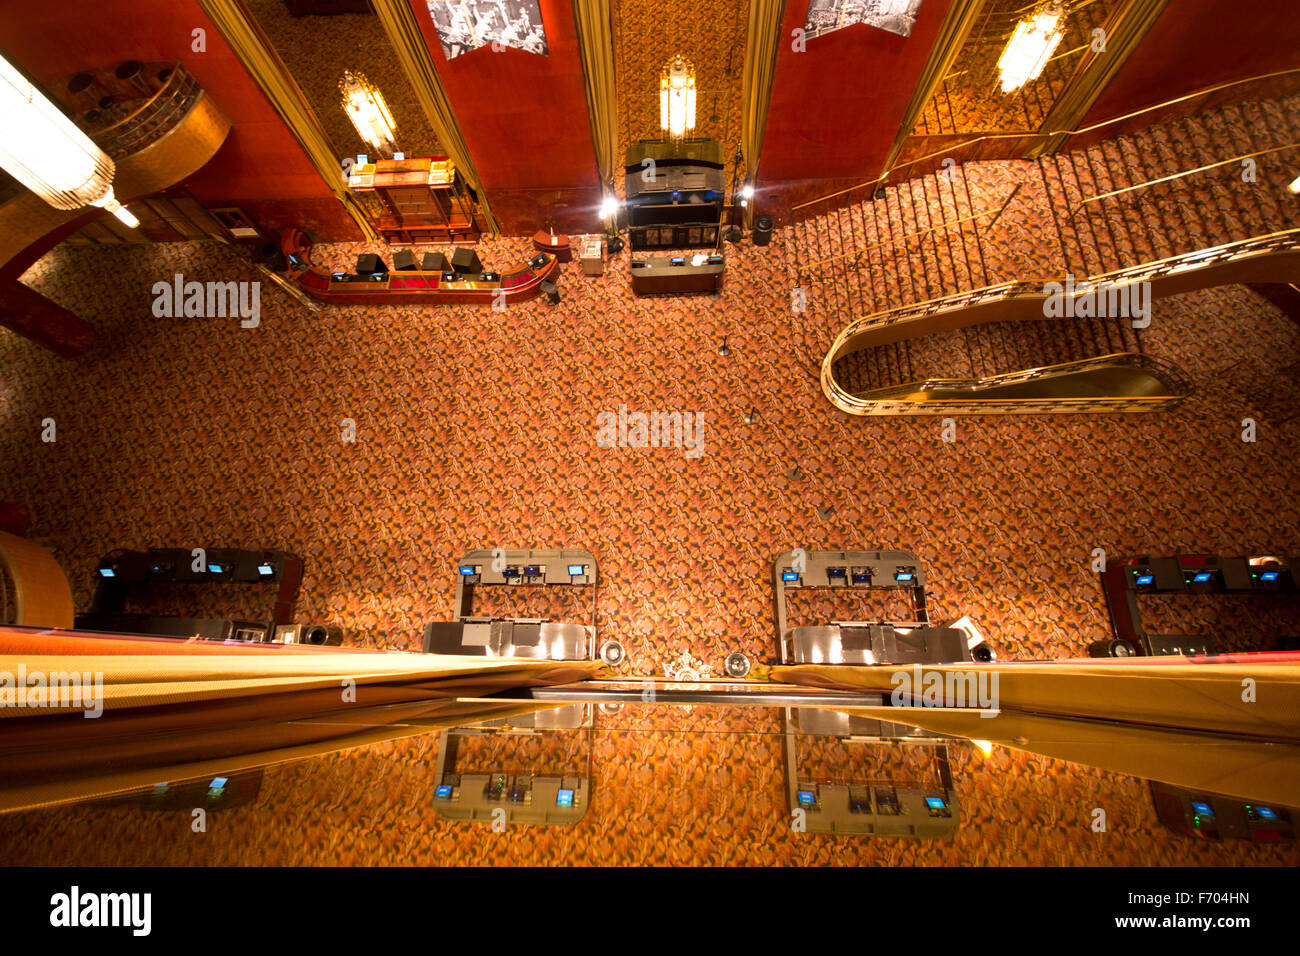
point(366, 108)
point(677, 98)
point(1035, 39)
point(46, 152)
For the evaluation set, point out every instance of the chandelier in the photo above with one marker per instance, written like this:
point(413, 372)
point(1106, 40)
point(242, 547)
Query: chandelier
point(1031, 46)
point(46, 152)
point(366, 108)
point(677, 98)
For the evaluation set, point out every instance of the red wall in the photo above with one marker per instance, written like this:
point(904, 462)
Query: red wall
point(1199, 43)
point(837, 107)
point(524, 118)
point(260, 167)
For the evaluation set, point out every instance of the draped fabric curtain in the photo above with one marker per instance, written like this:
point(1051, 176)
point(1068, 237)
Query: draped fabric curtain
point(174, 710)
point(1230, 725)
point(398, 21)
point(593, 21)
point(254, 50)
point(762, 40)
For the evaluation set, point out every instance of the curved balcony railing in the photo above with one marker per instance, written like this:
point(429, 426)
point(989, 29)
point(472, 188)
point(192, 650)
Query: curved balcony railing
point(1125, 382)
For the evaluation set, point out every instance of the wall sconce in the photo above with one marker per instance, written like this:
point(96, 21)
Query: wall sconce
point(1031, 46)
point(46, 152)
point(365, 106)
point(677, 98)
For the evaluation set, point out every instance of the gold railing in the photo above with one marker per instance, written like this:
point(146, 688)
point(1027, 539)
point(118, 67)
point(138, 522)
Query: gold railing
point(1118, 382)
point(797, 210)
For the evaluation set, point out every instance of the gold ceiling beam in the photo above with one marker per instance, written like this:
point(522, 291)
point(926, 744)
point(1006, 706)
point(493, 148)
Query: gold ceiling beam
point(254, 50)
point(952, 37)
point(1125, 30)
point(398, 21)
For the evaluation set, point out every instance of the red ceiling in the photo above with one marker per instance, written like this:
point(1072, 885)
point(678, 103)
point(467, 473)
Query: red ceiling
point(261, 166)
point(524, 118)
point(837, 107)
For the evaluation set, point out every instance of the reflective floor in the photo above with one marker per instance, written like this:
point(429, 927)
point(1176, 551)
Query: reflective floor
point(644, 783)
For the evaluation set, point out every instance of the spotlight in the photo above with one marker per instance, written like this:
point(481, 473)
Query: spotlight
point(608, 207)
point(747, 192)
point(1295, 185)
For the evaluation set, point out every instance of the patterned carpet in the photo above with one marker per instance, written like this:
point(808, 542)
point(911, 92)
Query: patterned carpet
point(476, 428)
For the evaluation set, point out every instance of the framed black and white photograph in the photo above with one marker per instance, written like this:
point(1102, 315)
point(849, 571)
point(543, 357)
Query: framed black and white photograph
point(892, 16)
point(466, 25)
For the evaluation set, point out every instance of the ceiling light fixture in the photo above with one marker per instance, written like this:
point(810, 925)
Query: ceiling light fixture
point(365, 106)
point(1035, 39)
point(46, 152)
point(1295, 185)
point(677, 98)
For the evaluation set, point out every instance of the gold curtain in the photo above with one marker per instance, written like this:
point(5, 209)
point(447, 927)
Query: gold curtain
point(254, 50)
point(1230, 727)
point(398, 21)
point(174, 710)
point(762, 40)
point(593, 22)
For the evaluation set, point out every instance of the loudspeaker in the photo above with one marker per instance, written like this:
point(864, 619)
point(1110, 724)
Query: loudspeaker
point(404, 261)
point(369, 264)
point(614, 246)
point(316, 634)
point(466, 260)
point(434, 262)
point(270, 254)
point(763, 230)
point(552, 292)
point(538, 261)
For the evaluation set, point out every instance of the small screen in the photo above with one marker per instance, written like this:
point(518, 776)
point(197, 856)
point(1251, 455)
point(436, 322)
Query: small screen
point(577, 569)
point(1201, 577)
point(1266, 813)
point(789, 575)
point(468, 569)
point(443, 792)
point(1202, 809)
point(214, 568)
point(265, 569)
point(532, 571)
point(107, 573)
point(564, 798)
point(1268, 576)
point(217, 783)
point(1145, 578)
point(903, 576)
point(861, 577)
point(935, 803)
point(806, 798)
point(835, 572)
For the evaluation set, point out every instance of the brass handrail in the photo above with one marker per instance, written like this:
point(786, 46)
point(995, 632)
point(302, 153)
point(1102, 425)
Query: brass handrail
point(995, 213)
point(1187, 172)
point(1021, 135)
